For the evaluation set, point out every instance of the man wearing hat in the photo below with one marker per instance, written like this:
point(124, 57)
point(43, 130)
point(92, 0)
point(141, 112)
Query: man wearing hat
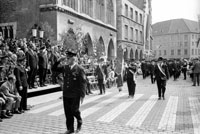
point(131, 72)
point(43, 65)
point(101, 76)
point(21, 81)
point(162, 75)
point(32, 62)
point(74, 89)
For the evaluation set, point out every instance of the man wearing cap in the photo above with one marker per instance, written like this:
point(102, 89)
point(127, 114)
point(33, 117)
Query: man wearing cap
point(74, 89)
point(21, 81)
point(131, 72)
point(162, 75)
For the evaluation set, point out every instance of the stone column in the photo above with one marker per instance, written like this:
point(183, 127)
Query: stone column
point(14, 31)
point(3, 31)
point(105, 11)
point(94, 9)
point(8, 29)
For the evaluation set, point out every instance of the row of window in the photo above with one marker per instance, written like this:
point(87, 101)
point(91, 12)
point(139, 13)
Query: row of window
point(178, 38)
point(137, 34)
point(138, 17)
point(194, 52)
point(86, 6)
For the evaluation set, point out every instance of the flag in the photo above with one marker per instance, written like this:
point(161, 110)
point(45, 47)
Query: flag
point(198, 42)
point(147, 27)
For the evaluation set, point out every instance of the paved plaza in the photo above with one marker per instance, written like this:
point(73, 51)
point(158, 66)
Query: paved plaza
point(115, 113)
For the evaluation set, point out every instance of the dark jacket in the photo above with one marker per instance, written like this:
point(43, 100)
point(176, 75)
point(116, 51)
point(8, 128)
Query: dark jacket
point(129, 73)
point(74, 80)
point(164, 75)
point(196, 68)
point(21, 76)
point(43, 60)
point(100, 72)
point(152, 68)
point(32, 59)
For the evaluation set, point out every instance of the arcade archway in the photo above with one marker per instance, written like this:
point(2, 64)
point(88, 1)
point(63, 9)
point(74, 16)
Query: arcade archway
point(126, 54)
point(131, 54)
point(136, 54)
point(111, 53)
point(87, 43)
point(141, 54)
point(100, 48)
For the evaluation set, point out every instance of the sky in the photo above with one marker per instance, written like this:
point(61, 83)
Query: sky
point(173, 9)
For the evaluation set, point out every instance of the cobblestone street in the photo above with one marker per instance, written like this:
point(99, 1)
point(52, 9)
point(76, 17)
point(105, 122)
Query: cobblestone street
point(114, 113)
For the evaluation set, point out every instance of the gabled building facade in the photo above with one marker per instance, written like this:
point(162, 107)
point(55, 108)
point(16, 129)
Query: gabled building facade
point(176, 38)
point(132, 19)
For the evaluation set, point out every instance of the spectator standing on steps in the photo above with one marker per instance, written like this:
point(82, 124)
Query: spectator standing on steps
point(21, 82)
point(32, 62)
point(74, 90)
point(43, 65)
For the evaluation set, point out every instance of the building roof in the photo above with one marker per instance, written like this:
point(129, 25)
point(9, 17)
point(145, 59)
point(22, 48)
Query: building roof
point(138, 3)
point(175, 26)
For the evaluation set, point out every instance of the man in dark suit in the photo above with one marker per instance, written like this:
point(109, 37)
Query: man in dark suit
point(144, 69)
point(101, 76)
point(21, 82)
point(74, 89)
point(196, 72)
point(175, 69)
point(162, 75)
point(32, 62)
point(152, 67)
point(43, 65)
point(131, 72)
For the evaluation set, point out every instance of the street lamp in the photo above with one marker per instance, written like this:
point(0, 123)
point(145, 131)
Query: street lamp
point(37, 31)
point(34, 32)
point(41, 33)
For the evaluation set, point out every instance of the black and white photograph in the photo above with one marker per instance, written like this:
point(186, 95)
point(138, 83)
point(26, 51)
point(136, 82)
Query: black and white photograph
point(100, 66)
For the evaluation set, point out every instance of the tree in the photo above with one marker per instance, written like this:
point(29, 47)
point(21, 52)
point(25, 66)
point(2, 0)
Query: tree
point(72, 40)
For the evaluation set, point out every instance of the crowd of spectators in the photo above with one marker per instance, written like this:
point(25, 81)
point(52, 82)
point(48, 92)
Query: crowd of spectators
point(37, 59)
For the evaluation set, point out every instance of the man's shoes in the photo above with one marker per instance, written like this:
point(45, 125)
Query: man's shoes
point(69, 132)
point(90, 93)
point(159, 98)
point(193, 85)
point(33, 87)
point(79, 124)
point(100, 94)
point(1, 120)
point(9, 114)
point(17, 112)
point(4, 116)
point(22, 111)
point(26, 109)
point(163, 98)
